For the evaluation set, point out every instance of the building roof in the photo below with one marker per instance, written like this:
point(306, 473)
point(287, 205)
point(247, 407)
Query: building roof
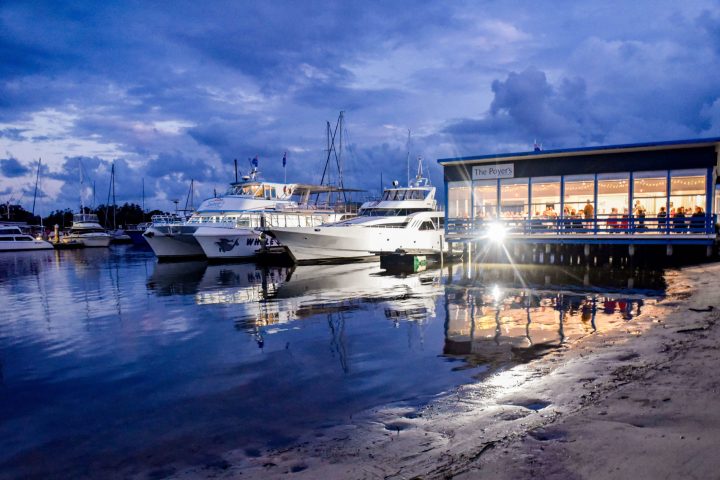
point(569, 152)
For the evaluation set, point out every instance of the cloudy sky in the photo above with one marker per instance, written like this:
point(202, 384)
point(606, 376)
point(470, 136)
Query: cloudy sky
point(173, 91)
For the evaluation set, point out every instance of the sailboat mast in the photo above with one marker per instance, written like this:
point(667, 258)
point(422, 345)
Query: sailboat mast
point(112, 175)
point(37, 178)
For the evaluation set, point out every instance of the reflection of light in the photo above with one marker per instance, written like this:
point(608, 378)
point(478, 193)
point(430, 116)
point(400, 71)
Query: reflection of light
point(495, 292)
point(496, 232)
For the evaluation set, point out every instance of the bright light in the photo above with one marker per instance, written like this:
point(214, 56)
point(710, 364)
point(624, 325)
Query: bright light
point(496, 232)
point(495, 292)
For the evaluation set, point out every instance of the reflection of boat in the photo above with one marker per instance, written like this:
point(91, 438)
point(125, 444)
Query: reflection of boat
point(13, 239)
point(86, 229)
point(181, 278)
point(313, 289)
point(405, 218)
point(239, 283)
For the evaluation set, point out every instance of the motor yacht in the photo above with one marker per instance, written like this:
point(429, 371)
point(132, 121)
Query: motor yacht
point(86, 229)
point(240, 236)
point(229, 226)
point(404, 218)
point(12, 238)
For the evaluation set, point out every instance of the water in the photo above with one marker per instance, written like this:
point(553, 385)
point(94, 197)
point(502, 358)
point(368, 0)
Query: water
point(112, 364)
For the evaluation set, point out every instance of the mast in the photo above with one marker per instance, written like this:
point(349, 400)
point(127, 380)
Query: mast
point(143, 197)
point(37, 178)
point(112, 176)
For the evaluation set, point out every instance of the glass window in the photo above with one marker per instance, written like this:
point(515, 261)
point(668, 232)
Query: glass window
point(613, 194)
point(458, 199)
point(579, 195)
point(485, 198)
point(514, 198)
point(649, 193)
point(545, 195)
point(687, 191)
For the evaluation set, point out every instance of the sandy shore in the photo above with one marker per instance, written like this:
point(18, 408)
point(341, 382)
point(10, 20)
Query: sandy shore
point(641, 402)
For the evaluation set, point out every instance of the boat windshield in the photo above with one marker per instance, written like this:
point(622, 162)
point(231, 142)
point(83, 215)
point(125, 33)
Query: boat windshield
point(405, 194)
point(10, 231)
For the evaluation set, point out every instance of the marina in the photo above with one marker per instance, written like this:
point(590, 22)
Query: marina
point(195, 359)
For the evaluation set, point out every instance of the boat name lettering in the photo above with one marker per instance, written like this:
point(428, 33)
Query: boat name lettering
point(485, 172)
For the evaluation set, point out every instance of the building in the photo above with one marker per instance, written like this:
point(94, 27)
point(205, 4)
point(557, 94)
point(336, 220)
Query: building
point(653, 193)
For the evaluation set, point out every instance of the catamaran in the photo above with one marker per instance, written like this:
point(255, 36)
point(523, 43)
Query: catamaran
point(405, 218)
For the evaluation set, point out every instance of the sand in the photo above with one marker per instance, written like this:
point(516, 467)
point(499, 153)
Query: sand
point(639, 402)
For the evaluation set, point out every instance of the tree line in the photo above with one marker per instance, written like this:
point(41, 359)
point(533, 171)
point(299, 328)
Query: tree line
point(123, 215)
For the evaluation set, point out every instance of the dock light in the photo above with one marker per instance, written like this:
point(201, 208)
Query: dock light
point(496, 232)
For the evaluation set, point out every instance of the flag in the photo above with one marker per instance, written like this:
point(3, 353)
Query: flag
point(255, 161)
point(284, 159)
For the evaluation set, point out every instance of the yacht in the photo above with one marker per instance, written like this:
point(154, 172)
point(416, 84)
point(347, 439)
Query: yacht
point(86, 230)
point(405, 218)
point(229, 225)
point(12, 238)
point(241, 235)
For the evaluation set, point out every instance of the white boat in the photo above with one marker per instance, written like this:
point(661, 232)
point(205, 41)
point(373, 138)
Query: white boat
point(12, 239)
point(242, 236)
point(406, 218)
point(231, 224)
point(86, 229)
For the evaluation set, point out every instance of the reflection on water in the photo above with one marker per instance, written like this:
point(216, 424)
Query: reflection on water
point(110, 356)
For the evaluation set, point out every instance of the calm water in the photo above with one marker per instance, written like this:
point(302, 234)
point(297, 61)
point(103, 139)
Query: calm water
point(112, 364)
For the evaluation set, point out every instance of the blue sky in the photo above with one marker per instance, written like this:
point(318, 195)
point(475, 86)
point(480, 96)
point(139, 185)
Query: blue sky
point(173, 91)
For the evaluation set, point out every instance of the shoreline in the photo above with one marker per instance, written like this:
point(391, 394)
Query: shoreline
point(640, 400)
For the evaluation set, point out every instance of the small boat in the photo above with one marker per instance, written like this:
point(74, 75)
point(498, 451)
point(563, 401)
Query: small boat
point(86, 229)
point(13, 239)
point(135, 232)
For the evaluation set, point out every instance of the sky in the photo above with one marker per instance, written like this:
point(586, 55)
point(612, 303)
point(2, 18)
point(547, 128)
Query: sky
point(175, 91)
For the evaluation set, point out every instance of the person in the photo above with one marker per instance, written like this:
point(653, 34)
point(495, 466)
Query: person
point(662, 218)
point(624, 220)
point(641, 218)
point(612, 220)
point(697, 220)
point(588, 210)
point(679, 220)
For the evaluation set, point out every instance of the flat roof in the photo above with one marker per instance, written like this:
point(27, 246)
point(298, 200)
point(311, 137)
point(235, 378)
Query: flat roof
point(569, 152)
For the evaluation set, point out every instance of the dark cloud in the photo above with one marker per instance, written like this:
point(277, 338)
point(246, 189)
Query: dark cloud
point(11, 167)
point(12, 134)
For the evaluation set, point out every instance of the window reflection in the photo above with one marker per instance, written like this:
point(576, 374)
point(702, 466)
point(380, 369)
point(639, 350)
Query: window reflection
point(514, 198)
point(485, 199)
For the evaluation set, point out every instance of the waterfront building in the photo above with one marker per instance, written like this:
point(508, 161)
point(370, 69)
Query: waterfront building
point(654, 193)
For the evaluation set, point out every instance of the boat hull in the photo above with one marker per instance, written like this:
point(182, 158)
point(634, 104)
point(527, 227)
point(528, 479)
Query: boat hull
point(331, 243)
point(229, 243)
point(25, 245)
point(89, 240)
point(176, 241)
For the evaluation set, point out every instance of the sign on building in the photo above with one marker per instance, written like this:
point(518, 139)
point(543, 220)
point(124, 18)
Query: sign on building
point(487, 172)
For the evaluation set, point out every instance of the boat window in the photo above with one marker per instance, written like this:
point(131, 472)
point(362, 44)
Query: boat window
point(23, 239)
point(6, 239)
point(427, 225)
point(9, 231)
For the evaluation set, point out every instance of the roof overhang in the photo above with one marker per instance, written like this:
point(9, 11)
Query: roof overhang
point(584, 151)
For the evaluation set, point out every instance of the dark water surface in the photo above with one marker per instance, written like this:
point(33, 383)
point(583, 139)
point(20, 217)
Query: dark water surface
point(112, 364)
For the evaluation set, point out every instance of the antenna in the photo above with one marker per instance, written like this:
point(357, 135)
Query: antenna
point(236, 178)
point(408, 159)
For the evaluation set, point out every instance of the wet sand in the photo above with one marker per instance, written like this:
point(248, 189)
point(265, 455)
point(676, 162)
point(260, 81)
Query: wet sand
point(639, 402)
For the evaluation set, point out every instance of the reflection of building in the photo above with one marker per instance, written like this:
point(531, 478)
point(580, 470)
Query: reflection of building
point(493, 325)
point(646, 192)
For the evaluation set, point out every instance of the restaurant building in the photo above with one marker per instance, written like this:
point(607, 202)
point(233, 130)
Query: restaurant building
point(654, 193)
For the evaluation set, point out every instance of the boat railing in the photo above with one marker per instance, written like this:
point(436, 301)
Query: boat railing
point(166, 220)
point(603, 224)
